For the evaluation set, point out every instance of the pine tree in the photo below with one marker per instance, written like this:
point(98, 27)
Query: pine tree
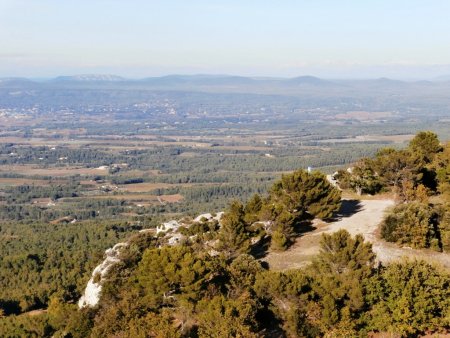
point(412, 298)
point(233, 237)
point(426, 144)
point(339, 272)
point(306, 194)
point(252, 209)
point(442, 168)
point(413, 224)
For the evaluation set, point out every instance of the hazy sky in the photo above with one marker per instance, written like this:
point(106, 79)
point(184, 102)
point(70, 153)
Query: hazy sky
point(138, 38)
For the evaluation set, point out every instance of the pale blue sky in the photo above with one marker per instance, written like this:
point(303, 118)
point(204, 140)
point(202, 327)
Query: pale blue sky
point(137, 38)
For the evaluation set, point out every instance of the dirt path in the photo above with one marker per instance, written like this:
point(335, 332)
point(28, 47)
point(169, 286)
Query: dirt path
point(357, 217)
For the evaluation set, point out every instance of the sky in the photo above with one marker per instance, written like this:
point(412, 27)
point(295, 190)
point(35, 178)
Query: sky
point(284, 38)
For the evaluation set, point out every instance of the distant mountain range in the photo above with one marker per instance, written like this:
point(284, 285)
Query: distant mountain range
point(204, 79)
point(89, 78)
point(235, 84)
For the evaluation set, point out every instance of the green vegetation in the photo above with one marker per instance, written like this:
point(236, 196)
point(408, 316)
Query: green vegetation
point(38, 260)
point(418, 225)
point(426, 145)
point(233, 236)
point(291, 202)
point(213, 284)
point(442, 167)
point(184, 292)
point(296, 198)
point(407, 171)
point(339, 275)
point(413, 224)
point(408, 298)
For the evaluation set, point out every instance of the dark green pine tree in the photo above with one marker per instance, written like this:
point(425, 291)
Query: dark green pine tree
point(252, 209)
point(233, 237)
point(339, 272)
point(426, 144)
point(306, 194)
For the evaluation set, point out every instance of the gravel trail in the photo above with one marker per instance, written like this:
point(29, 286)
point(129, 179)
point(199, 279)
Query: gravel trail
point(357, 217)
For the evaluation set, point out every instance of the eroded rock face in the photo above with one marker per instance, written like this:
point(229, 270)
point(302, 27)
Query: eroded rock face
point(168, 226)
point(209, 217)
point(93, 289)
point(91, 294)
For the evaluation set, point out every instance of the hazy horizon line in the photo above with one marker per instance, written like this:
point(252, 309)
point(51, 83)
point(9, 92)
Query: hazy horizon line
point(443, 77)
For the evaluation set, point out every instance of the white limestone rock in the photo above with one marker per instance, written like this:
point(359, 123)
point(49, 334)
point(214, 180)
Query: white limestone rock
point(93, 289)
point(171, 225)
point(209, 217)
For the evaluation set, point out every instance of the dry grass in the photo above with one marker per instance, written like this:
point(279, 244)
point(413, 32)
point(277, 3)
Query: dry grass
point(171, 198)
point(88, 182)
point(125, 197)
point(31, 170)
point(46, 138)
point(144, 187)
point(372, 138)
point(363, 115)
point(152, 199)
point(34, 312)
point(22, 181)
point(8, 237)
point(41, 201)
point(142, 173)
point(245, 148)
point(348, 194)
